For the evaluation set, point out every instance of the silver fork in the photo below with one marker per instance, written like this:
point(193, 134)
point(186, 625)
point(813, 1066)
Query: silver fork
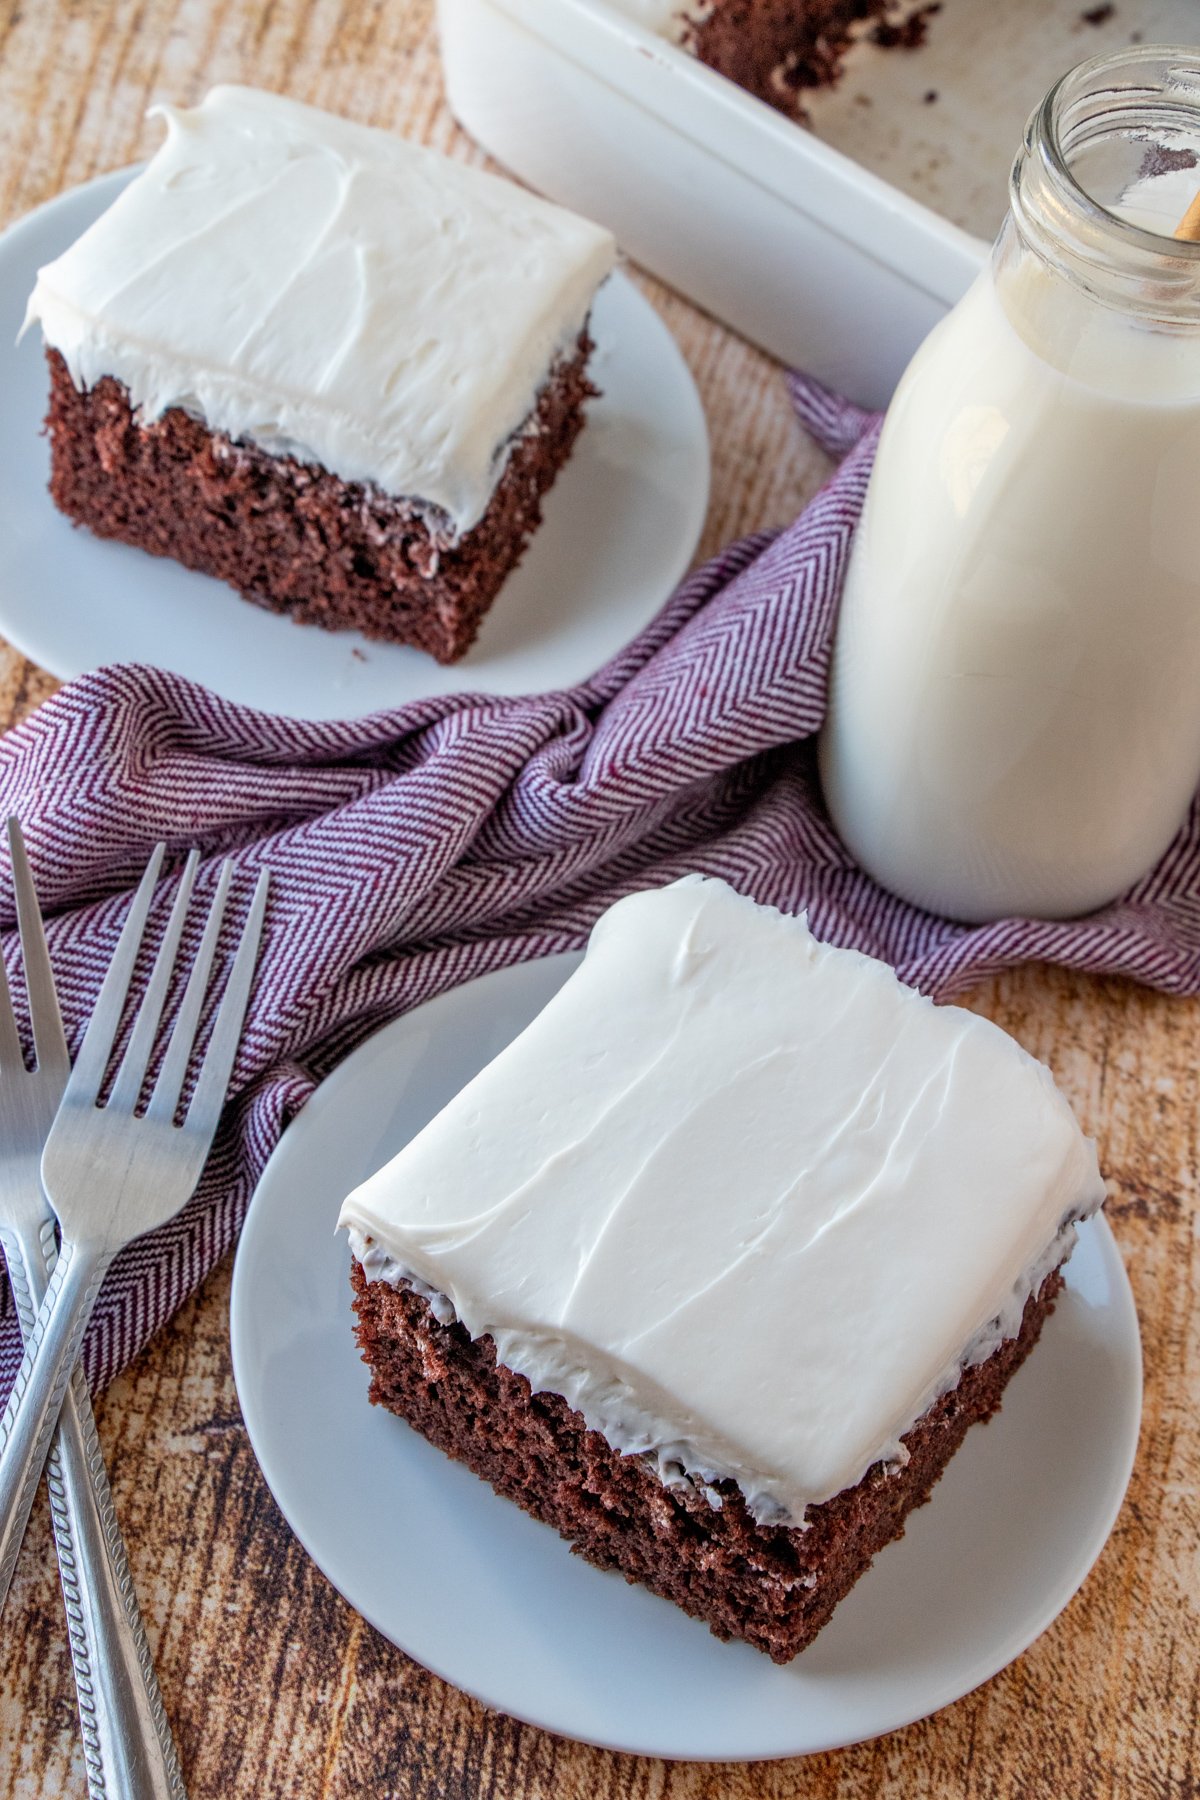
point(112, 1175)
point(127, 1742)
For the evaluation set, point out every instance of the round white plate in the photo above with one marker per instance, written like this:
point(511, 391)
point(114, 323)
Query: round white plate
point(621, 524)
point(494, 1602)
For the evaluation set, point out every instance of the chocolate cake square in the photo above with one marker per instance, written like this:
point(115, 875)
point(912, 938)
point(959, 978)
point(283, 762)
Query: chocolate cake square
point(334, 369)
point(713, 1268)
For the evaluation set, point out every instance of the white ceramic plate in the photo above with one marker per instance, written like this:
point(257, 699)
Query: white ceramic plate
point(620, 527)
point(494, 1602)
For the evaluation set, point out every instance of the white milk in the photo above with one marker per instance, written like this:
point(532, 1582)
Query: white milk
point(1015, 705)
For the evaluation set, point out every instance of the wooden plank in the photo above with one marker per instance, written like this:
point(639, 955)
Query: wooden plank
point(275, 1687)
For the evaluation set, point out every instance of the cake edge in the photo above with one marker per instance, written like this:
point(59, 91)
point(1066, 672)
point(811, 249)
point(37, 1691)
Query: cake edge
point(294, 538)
point(772, 1586)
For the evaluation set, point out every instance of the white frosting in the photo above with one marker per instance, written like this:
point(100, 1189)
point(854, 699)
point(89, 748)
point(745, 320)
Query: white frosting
point(746, 1201)
point(328, 291)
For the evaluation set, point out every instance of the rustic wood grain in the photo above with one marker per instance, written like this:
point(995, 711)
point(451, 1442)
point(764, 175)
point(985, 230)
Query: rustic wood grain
point(275, 1687)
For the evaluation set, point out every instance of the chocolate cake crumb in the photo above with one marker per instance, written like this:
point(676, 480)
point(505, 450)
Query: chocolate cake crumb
point(293, 537)
point(773, 1586)
point(906, 34)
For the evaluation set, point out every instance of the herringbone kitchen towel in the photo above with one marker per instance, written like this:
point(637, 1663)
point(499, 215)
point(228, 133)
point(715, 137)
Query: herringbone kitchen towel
point(416, 849)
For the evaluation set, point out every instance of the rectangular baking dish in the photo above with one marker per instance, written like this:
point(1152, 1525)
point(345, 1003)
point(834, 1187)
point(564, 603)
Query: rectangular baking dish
point(773, 228)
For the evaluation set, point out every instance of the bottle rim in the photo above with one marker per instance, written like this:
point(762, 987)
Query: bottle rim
point(1044, 137)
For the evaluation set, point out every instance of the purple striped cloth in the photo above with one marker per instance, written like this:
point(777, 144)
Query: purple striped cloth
point(418, 848)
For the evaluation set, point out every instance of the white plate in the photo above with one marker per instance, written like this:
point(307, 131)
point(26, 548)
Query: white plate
point(494, 1602)
point(620, 527)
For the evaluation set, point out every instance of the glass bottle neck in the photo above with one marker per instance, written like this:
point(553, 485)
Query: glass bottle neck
point(1109, 165)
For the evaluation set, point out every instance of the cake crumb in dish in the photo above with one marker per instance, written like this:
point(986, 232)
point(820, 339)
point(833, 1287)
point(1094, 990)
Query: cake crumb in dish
point(776, 49)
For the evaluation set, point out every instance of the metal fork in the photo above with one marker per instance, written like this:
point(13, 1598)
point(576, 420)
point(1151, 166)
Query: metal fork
point(127, 1742)
point(111, 1174)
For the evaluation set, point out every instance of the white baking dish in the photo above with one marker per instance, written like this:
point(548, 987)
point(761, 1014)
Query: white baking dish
point(761, 223)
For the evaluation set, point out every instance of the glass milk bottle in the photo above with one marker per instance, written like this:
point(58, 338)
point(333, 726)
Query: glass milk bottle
point(1014, 717)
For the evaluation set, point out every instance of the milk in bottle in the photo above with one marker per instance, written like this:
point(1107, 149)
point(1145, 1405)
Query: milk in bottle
point(1014, 719)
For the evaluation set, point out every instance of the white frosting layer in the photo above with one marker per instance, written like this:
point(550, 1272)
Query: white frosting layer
point(328, 291)
point(746, 1201)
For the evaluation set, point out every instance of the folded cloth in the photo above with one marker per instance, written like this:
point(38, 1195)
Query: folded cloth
point(415, 849)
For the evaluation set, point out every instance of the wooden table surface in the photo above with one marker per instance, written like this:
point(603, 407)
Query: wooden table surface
point(275, 1687)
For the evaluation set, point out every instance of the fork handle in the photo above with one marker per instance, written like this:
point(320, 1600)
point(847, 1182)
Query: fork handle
point(51, 1352)
point(127, 1744)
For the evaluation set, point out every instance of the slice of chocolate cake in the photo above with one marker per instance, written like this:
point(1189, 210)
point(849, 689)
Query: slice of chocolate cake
point(337, 370)
point(715, 1265)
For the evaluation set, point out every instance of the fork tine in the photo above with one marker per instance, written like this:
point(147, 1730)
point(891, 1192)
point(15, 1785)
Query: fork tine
point(10, 1042)
point(132, 1072)
point(97, 1044)
point(204, 1109)
point(169, 1084)
point(49, 1038)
